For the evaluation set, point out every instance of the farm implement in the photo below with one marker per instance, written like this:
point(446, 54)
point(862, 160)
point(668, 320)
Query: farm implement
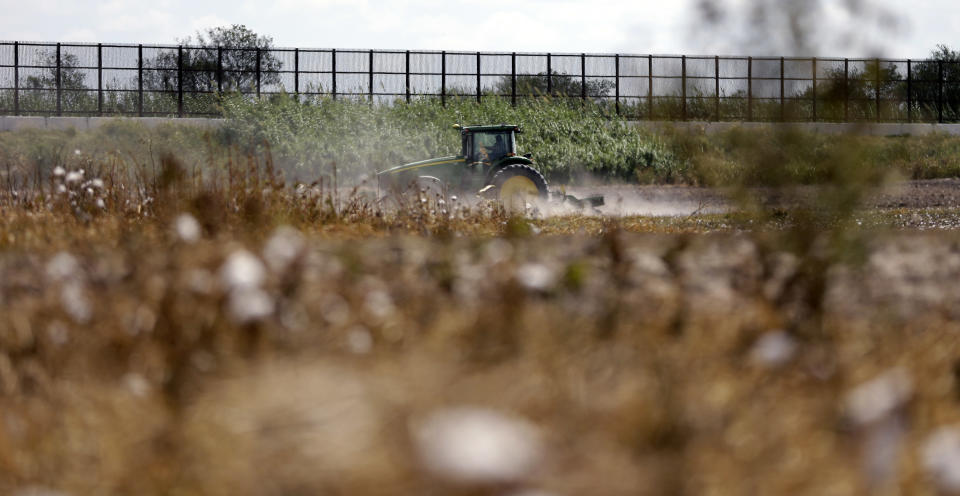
point(489, 166)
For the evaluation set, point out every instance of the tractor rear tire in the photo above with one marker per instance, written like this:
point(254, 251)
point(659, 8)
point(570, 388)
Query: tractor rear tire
point(517, 183)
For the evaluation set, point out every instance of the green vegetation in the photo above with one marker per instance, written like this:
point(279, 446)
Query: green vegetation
point(567, 141)
point(571, 144)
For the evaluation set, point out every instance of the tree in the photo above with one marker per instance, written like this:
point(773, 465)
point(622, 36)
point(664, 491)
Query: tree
point(561, 85)
point(856, 91)
point(70, 76)
point(927, 81)
point(38, 89)
point(232, 49)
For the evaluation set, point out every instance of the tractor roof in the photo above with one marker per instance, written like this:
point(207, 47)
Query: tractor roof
point(492, 128)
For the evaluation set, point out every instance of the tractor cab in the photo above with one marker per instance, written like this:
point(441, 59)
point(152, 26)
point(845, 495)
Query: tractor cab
point(488, 144)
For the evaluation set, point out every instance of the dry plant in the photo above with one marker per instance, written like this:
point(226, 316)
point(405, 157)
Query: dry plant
point(168, 330)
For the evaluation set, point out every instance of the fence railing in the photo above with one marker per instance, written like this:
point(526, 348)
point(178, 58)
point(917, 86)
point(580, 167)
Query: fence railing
point(151, 80)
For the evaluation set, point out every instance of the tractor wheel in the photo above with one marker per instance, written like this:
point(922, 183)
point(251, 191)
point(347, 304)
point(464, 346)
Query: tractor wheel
point(517, 184)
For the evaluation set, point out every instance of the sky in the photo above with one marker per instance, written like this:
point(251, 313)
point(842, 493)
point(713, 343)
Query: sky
point(842, 28)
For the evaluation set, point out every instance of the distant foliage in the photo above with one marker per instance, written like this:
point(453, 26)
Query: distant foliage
point(237, 60)
point(38, 90)
point(567, 141)
point(557, 85)
point(945, 60)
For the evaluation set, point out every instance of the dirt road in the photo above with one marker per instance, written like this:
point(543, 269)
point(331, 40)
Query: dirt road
point(687, 200)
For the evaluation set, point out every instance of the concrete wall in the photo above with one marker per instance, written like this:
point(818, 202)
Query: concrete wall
point(868, 128)
point(10, 123)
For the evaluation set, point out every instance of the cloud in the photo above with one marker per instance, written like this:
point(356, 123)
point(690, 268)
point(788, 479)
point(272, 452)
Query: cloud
point(533, 25)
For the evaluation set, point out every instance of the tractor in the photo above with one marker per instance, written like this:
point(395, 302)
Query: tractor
point(488, 165)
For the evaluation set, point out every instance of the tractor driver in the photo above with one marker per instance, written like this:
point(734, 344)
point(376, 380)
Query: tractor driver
point(492, 152)
point(488, 152)
point(498, 148)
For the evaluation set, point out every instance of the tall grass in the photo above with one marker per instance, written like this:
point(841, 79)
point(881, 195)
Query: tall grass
point(567, 140)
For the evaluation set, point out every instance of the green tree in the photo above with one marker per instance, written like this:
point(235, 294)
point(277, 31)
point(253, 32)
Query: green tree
point(926, 83)
point(38, 90)
point(858, 88)
point(70, 76)
point(231, 48)
point(560, 85)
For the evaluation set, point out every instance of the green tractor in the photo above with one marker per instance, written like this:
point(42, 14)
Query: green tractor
point(488, 164)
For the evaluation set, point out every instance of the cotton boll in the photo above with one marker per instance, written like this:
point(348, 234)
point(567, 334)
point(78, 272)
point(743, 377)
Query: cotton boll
point(283, 247)
point(359, 340)
point(879, 397)
point(941, 458)
point(62, 266)
point(74, 177)
point(248, 305)
point(136, 384)
point(773, 349)
point(379, 304)
point(242, 270)
point(75, 302)
point(187, 228)
point(536, 277)
point(477, 446)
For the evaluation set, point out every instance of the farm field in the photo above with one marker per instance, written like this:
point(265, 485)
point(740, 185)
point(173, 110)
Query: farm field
point(192, 316)
point(194, 351)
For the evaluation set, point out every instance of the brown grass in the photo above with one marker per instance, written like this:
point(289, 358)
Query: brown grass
point(134, 360)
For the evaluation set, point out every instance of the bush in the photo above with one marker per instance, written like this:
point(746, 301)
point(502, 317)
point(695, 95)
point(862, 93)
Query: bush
point(567, 141)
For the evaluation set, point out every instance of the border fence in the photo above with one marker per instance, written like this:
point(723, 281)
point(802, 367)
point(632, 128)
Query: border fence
point(72, 79)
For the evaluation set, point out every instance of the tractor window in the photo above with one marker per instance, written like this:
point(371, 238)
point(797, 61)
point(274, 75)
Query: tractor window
point(467, 145)
point(492, 146)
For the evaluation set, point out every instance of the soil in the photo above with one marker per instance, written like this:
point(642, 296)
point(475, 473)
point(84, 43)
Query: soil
point(670, 200)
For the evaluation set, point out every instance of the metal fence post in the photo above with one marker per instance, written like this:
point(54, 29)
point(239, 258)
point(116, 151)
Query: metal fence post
point(16, 78)
point(370, 79)
point(749, 88)
point(478, 78)
point(296, 73)
point(783, 108)
point(909, 92)
point(616, 59)
point(716, 87)
point(99, 79)
point(650, 87)
point(846, 90)
point(258, 72)
point(443, 78)
point(549, 74)
point(333, 72)
point(877, 89)
point(59, 83)
point(180, 81)
point(683, 87)
point(940, 91)
point(219, 69)
point(814, 70)
point(583, 78)
point(140, 80)
point(513, 78)
point(407, 75)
